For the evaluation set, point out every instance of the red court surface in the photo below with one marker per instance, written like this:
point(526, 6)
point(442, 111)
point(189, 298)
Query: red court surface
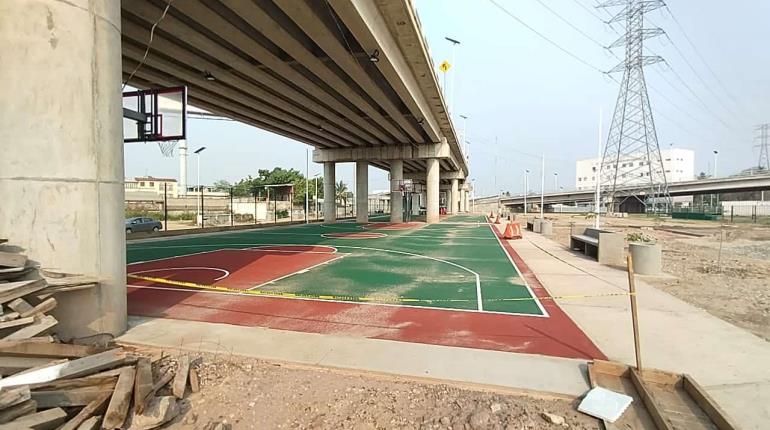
point(555, 335)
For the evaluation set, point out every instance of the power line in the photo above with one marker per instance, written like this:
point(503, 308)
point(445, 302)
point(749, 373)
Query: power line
point(542, 36)
point(574, 27)
point(702, 59)
point(149, 43)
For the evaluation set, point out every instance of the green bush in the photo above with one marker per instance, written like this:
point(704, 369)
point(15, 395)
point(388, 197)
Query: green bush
point(638, 237)
point(157, 215)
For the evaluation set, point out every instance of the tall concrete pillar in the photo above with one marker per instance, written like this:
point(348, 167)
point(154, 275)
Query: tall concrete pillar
point(454, 198)
point(61, 140)
point(330, 201)
point(396, 197)
point(362, 192)
point(463, 194)
point(432, 190)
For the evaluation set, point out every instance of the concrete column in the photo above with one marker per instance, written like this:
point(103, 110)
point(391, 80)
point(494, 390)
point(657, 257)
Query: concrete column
point(466, 201)
point(396, 197)
point(330, 205)
point(454, 198)
point(432, 190)
point(61, 168)
point(461, 200)
point(362, 192)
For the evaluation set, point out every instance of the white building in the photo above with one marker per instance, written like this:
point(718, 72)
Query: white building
point(149, 185)
point(679, 165)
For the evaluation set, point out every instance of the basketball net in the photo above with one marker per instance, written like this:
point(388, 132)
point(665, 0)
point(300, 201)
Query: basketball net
point(167, 148)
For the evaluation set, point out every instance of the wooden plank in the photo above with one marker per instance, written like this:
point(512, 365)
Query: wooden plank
point(16, 411)
point(21, 322)
point(195, 384)
point(68, 384)
point(13, 290)
point(74, 397)
point(86, 414)
point(56, 350)
point(13, 365)
point(142, 384)
point(117, 410)
point(655, 411)
point(40, 326)
point(180, 380)
point(45, 420)
point(72, 281)
point(12, 259)
point(19, 305)
point(707, 403)
point(93, 423)
point(609, 367)
point(160, 383)
point(46, 305)
point(9, 316)
point(49, 291)
point(13, 396)
point(14, 343)
point(73, 369)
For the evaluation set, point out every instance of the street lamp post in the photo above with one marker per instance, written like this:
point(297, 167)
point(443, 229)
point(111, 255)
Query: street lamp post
point(200, 190)
point(526, 189)
point(315, 179)
point(716, 153)
point(556, 181)
point(454, 43)
point(465, 136)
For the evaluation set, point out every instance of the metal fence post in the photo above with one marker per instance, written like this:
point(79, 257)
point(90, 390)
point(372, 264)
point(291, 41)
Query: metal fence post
point(165, 207)
point(255, 205)
point(203, 211)
point(732, 213)
point(232, 212)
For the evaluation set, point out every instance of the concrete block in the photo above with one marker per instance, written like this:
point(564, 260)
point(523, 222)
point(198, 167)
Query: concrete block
point(611, 247)
point(546, 228)
point(537, 225)
point(647, 258)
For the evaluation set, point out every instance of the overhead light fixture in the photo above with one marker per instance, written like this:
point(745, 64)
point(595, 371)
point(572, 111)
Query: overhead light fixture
point(421, 121)
point(374, 57)
point(208, 76)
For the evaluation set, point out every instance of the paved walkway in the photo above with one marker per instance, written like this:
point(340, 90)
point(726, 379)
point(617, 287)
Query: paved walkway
point(502, 370)
point(732, 364)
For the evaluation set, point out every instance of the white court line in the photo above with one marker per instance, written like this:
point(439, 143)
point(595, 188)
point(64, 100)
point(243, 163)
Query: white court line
point(226, 273)
point(306, 269)
point(523, 279)
point(258, 248)
point(381, 235)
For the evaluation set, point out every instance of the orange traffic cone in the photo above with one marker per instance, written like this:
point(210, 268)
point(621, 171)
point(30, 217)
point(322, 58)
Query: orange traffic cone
point(497, 220)
point(512, 231)
point(491, 215)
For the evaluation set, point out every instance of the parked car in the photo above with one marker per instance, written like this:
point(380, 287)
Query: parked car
point(138, 224)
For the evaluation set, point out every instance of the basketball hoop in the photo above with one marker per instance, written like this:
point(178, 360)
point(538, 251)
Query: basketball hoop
point(167, 148)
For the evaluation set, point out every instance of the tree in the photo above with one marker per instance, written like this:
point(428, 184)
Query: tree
point(342, 193)
point(703, 175)
point(221, 185)
point(251, 186)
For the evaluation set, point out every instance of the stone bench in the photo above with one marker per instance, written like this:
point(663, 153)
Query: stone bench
point(604, 246)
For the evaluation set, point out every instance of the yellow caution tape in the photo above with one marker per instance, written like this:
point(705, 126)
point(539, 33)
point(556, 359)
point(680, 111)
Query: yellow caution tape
point(264, 293)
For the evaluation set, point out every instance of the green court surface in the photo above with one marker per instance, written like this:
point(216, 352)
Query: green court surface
point(456, 264)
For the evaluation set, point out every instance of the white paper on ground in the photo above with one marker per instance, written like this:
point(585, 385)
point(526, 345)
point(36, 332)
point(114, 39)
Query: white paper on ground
point(605, 404)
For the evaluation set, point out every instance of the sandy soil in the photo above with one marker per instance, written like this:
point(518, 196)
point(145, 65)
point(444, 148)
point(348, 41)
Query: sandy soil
point(254, 394)
point(732, 283)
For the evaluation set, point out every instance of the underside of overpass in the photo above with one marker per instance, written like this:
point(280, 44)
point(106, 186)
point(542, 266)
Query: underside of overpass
point(352, 78)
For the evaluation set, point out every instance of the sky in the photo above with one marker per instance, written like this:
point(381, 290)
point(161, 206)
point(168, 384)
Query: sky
point(526, 98)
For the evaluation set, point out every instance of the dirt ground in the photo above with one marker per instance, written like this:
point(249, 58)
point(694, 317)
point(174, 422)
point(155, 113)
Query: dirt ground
point(725, 271)
point(254, 394)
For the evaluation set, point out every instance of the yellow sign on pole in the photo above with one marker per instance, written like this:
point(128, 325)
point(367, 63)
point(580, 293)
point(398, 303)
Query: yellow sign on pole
point(445, 66)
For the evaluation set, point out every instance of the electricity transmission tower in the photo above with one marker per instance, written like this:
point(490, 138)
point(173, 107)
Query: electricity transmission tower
point(632, 165)
point(763, 135)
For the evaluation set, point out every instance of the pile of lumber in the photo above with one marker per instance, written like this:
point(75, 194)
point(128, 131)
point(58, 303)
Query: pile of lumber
point(64, 386)
point(47, 384)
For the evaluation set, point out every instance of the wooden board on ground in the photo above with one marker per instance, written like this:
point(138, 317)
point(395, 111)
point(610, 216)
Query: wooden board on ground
point(41, 325)
point(44, 420)
point(117, 410)
point(13, 290)
point(661, 400)
point(72, 369)
point(180, 380)
point(12, 259)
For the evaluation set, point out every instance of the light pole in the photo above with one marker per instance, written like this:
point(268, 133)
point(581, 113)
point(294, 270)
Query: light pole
point(307, 185)
point(454, 43)
point(200, 190)
point(556, 181)
point(465, 135)
point(542, 186)
point(716, 153)
point(526, 189)
point(315, 179)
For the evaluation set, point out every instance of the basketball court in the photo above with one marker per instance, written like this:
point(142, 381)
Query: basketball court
point(452, 283)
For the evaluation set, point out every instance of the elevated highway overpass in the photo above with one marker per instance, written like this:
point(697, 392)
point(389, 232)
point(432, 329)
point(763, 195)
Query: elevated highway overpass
point(352, 78)
point(689, 188)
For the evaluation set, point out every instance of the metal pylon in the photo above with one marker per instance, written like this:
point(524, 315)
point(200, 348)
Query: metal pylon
point(763, 139)
point(632, 165)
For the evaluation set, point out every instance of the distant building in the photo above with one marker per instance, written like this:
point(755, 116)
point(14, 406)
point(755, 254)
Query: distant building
point(149, 185)
point(678, 163)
